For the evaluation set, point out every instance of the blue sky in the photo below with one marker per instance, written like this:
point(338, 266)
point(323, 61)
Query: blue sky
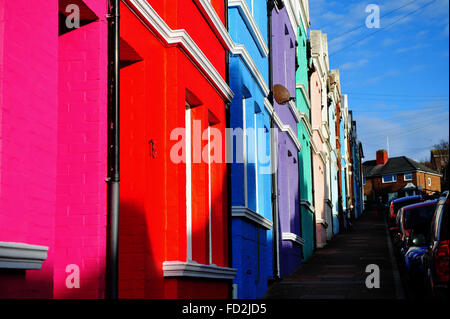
point(397, 80)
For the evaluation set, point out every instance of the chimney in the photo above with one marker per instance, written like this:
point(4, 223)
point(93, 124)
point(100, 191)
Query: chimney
point(382, 157)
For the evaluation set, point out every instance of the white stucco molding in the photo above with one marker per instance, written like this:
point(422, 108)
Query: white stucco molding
point(302, 88)
point(235, 49)
point(319, 132)
point(241, 51)
point(281, 125)
point(298, 14)
point(306, 123)
point(249, 20)
point(308, 205)
point(245, 212)
point(22, 256)
point(194, 269)
point(179, 38)
point(293, 237)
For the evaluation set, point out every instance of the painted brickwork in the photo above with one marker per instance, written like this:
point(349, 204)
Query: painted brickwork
point(53, 147)
point(251, 180)
point(284, 38)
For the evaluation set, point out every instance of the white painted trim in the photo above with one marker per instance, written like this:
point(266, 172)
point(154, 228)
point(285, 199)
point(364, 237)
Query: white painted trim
point(394, 181)
point(294, 111)
point(249, 20)
point(293, 237)
point(22, 256)
point(306, 123)
point(180, 38)
point(302, 88)
point(244, 143)
point(297, 14)
point(193, 269)
point(235, 49)
point(256, 162)
point(241, 51)
point(209, 195)
point(308, 205)
point(316, 129)
point(281, 125)
point(188, 184)
point(244, 212)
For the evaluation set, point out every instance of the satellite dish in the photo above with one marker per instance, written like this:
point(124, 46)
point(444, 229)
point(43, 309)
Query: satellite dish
point(281, 94)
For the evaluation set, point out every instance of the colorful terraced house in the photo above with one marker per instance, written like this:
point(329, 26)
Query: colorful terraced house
point(283, 52)
point(251, 185)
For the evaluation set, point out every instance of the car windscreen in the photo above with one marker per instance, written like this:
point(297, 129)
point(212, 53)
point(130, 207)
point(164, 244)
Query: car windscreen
point(419, 218)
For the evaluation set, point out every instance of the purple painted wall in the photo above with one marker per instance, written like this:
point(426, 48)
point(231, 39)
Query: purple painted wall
point(283, 39)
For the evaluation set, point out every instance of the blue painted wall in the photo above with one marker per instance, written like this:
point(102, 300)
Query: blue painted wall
point(334, 170)
point(251, 243)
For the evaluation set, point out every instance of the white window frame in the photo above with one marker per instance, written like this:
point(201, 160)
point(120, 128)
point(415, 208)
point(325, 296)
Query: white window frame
point(387, 182)
point(244, 146)
point(188, 138)
point(407, 179)
point(188, 119)
point(429, 181)
point(191, 268)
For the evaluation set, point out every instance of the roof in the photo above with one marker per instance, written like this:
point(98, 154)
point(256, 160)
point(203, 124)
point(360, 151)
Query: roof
point(395, 165)
point(421, 204)
point(407, 198)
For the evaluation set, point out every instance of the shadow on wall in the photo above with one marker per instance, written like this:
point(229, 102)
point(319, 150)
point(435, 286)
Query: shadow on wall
point(138, 271)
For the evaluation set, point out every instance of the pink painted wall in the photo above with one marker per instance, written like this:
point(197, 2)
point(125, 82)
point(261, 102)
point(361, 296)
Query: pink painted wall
point(82, 158)
point(28, 114)
point(53, 141)
point(318, 165)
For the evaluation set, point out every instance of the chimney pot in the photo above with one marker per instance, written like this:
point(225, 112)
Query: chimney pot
point(382, 157)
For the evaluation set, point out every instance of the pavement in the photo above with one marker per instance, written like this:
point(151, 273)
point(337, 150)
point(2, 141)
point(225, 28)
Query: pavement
point(338, 271)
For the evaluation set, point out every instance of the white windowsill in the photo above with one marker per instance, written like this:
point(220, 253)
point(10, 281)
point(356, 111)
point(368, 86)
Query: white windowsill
point(194, 269)
point(293, 237)
point(22, 256)
point(244, 212)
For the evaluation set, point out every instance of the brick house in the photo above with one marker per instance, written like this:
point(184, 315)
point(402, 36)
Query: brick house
point(396, 177)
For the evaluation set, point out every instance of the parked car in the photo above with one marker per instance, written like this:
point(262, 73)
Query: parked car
point(436, 258)
point(415, 221)
point(398, 203)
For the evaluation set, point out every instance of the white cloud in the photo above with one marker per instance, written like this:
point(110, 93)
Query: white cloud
point(353, 65)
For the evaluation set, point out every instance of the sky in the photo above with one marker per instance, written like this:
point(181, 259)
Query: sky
point(396, 77)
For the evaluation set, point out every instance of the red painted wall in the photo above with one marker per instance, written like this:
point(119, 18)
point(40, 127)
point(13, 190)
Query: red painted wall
point(153, 190)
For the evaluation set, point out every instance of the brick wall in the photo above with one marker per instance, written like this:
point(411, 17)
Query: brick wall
point(28, 115)
point(420, 179)
point(82, 158)
point(53, 141)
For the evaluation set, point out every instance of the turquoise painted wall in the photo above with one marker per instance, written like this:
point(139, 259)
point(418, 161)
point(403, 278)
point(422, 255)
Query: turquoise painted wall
point(305, 165)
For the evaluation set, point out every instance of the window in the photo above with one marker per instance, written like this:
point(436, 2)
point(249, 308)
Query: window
point(429, 181)
point(407, 177)
point(389, 178)
point(364, 181)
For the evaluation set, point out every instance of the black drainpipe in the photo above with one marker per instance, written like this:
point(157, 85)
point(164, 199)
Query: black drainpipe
point(276, 237)
point(113, 178)
point(228, 124)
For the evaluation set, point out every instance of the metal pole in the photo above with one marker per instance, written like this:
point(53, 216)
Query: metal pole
point(276, 237)
point(228, 125)
point(113, 148)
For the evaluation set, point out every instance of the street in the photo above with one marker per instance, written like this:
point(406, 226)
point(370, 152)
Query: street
point(338, 271)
